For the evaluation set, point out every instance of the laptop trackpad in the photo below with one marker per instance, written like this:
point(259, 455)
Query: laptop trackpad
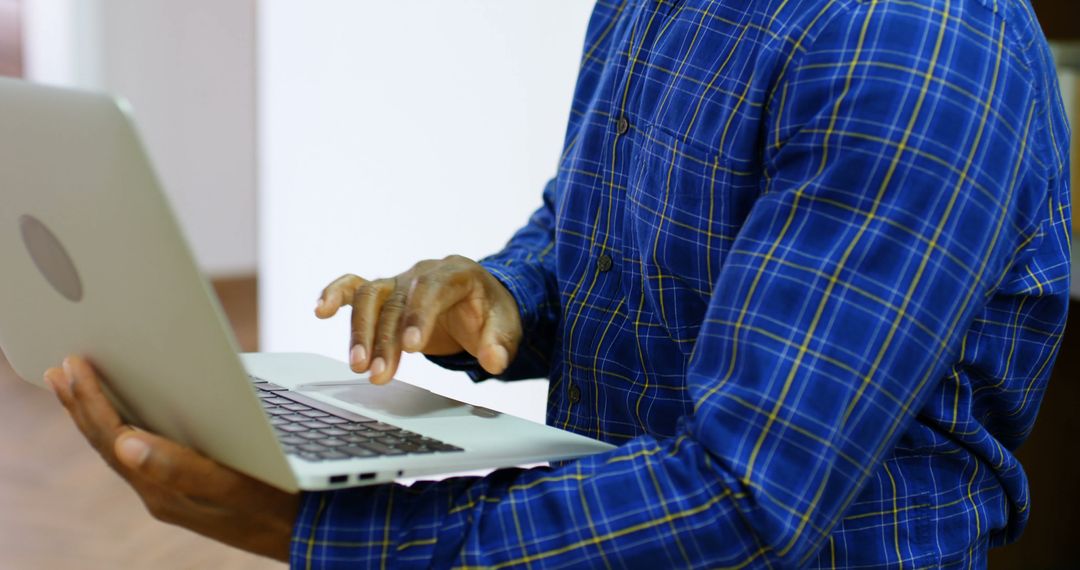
point(401, 400)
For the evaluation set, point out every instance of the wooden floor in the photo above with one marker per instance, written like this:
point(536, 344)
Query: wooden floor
point(61, 507)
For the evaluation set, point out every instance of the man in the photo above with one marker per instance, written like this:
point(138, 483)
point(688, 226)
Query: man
point(805, 261)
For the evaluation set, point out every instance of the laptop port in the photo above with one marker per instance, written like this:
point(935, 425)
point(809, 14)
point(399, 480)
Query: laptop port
point(365, 477)
point(335, 479)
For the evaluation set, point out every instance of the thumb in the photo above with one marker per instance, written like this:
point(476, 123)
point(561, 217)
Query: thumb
point(168, 463)
point(499, 341)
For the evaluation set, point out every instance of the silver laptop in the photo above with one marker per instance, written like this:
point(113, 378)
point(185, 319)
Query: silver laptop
point(94, 263)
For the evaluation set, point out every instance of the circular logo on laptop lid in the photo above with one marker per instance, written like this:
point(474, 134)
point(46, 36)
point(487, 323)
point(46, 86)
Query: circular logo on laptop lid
point(51, 259)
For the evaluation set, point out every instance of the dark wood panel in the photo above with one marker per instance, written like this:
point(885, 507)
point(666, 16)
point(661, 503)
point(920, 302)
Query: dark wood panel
point(1060, 19)
point(11, 59)
point(1053, 466)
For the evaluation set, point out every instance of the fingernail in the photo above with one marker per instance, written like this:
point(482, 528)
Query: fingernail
point(359, 354)
point(378, 366)
point(500, 354)
point(411, 338)
point(133, 451)
point(319, 304)
point(50, 379)
point(68, 381)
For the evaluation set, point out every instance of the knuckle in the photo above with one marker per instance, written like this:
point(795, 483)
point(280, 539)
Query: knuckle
point(156, 507)
point(424, 281)
point(505, 338)
point(366, 293)
point(397, 298)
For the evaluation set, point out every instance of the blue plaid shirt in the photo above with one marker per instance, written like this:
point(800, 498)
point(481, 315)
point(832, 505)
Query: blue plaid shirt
point(806, 262)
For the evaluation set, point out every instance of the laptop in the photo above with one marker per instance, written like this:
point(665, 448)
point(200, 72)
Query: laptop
point(94, 263)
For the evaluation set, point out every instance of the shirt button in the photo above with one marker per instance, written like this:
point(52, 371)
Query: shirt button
point(604, 263)
point(622, 126)
point(575, 394)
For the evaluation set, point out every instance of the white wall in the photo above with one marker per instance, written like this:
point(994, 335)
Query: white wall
point(188, 68)
point(396, 131)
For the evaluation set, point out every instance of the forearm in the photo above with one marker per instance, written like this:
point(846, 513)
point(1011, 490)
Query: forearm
point(658, 503)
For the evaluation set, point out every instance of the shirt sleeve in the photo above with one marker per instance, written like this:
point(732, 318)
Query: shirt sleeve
point(526, 267)
point(901, 187)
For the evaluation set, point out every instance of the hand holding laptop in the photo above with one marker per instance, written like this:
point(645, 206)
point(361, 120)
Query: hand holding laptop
point(178, 485)
point(234, 435)
point(439, 307)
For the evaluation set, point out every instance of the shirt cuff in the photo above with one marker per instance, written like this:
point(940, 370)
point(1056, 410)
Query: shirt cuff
point(529, 291)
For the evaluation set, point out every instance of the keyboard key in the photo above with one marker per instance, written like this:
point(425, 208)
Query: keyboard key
point(328, 408)
point(271, 387)
point(414, 448)
point(356, 451)
point(317, 431)
point(381, 449)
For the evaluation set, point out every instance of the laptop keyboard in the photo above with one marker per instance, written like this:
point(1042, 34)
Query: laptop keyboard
point(316, 431)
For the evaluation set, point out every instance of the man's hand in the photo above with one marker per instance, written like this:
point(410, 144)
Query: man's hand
point(438, 307)
point(177, 485)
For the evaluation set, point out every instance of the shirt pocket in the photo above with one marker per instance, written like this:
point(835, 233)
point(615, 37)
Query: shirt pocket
point(676, 229)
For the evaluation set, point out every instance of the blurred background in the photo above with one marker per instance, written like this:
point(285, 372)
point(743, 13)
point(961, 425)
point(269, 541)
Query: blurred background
point(298, 141)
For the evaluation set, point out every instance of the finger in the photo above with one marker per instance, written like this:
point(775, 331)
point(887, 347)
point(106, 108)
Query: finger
point(336, 294)
point(430, 295)
point(57, 380)
point(386, 353)
point(173, 466)
point(91, 410)
point(367, 302)
point(498, 342)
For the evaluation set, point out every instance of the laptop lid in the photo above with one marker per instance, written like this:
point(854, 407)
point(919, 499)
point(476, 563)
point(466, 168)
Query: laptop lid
point(94, 263)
